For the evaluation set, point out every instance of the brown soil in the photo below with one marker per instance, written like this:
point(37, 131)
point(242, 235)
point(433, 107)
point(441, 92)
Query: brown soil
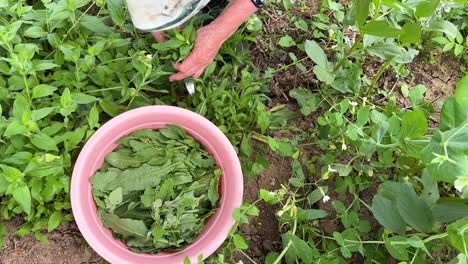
point(66, 246)
point(262, 233)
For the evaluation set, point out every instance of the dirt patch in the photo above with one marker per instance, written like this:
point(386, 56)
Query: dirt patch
point(440, 78)
point(262, 234)
point(66, 246)
point(439, 74)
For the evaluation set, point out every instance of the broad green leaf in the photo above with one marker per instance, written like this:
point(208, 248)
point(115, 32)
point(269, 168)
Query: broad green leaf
point(411, 33)
point(444, 26)
point(458, 235)
point(111, 108)
point(363, 116)
point(386, 213)
point(246, 145)
point(122, 161)
point(35, 32)
point(41, 113)
point(15, 128)
point(44, 142)
point(446, 156)
point(137, 179)
point(299, 249)
point(123, 226)
point(81, 98)
point(213, 194)
point(450, 211)
point(42, 90)
point(22, 195)
point(11, 174)
point(286, 41)
point(239, 242)
point(397, 247)
point(324, 74)
point(413, 125)
point(416, 94)
point(361, 9)
point(313, 214)
point(426, 8)
point(54, 221)
point(316, 53)
point(414, 211)
point(117, 11)
point(381, 28)
point(95, 24)
point(101, 180)
point(308, 101)
point(452, 114)
point(461, 92)
point(317, 194)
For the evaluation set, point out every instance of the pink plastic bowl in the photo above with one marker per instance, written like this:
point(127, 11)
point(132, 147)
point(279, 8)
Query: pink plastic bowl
point(103, 141)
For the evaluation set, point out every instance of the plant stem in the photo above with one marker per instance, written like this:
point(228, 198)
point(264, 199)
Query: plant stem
point(26, 85)
point(379, 74)
point(351, 50)
point(285, 250)
point(289, 65)
point(248, 257)
point(260, 138)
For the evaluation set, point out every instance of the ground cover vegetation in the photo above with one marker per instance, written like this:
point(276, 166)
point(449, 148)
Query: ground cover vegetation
point(373, 157)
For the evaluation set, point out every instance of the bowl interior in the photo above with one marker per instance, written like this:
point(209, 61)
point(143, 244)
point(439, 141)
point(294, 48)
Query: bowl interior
point(103, 141)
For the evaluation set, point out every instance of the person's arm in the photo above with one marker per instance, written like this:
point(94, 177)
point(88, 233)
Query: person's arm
point(210, 38)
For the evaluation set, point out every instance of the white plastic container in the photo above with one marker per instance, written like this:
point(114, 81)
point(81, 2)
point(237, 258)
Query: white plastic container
point(159, 15)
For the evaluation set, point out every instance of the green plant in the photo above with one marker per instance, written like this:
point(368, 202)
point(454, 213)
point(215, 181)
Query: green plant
point(69, 66)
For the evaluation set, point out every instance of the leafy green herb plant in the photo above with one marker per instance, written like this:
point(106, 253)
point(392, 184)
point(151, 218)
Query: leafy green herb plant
point(156, 189)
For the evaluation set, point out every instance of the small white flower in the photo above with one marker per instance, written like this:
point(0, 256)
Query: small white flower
point(343, 146)
point(271, 193)
point(240, 262)
point(149, 56)
point(326, 198)
point(330, 169)
point(353, 103)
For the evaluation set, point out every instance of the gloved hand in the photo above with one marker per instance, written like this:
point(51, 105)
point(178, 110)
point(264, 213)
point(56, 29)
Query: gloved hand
point(210, 38)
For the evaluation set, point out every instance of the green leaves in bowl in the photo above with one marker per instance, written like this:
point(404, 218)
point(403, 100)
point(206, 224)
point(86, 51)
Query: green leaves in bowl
point(156, 189)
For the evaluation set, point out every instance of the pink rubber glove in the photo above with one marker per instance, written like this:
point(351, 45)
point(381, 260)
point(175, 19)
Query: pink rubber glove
point(210, 38)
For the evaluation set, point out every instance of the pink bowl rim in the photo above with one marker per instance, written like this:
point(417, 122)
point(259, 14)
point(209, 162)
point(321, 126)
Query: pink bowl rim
point(222, 226)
